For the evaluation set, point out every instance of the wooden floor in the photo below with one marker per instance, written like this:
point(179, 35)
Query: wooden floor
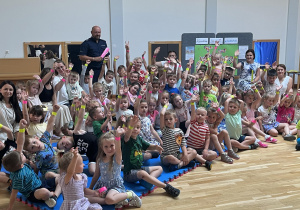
point(262, 179)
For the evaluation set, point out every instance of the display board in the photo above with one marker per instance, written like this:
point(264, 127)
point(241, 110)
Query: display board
point(224, 50)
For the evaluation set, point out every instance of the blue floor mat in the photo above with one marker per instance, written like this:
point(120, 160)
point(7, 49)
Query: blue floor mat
point(166, 177)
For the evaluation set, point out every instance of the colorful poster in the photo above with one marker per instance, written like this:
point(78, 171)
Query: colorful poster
point(224, 49)
point(189, 52)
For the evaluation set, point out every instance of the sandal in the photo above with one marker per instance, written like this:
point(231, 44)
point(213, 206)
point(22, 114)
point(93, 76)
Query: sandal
point(225, 158)
point(233, 155)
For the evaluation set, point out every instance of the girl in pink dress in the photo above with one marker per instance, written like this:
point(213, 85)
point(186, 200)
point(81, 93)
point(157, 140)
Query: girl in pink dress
point(252, 101)
point(286, 112)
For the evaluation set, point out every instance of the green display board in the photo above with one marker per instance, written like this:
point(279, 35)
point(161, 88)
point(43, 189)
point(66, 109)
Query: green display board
point(224, 49)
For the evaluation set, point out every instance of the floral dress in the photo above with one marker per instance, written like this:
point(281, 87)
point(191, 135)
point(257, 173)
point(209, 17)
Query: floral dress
point(245, 76)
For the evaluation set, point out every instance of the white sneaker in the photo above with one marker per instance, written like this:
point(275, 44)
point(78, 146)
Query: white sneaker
point(135, 200)
point(121, 204)
point(51, 202)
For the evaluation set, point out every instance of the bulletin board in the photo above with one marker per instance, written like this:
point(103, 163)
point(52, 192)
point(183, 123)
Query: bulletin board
point(224, 50)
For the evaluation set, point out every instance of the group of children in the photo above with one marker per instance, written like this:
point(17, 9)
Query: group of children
point(161, 110)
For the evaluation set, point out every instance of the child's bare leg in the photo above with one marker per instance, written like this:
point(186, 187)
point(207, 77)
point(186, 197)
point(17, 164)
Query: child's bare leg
point(245, 144)
point(258, 131)
point(284, 127)
point(3, 177)
point(93, 196)
point(114, 196)
point(191, 154)
point(92, 168)
point(147, 155)
point(215, 140)
point(42, 194)
point(155, 171)
point(51, 174)
point(170, 159)
point(200, 159)
point(293, 129)
point(150, 179)
point(273, 132)
point(223, 135)
point(211, 155)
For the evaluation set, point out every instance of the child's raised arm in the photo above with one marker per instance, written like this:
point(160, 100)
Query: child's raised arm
point(127, 54)
point(235, 58)
point(137, 104)
point(220, 114)
point(91, 73)
point(21, 135)
point(195, 98)
point(226, 105)
point(162, 115)
point(144, 60)
point(118, 152)
point(41, 84)
point(115, 66)
point(51, 120)
point(24, 96)
point(156, 51)
point(48, 76)
point(133, 121)
point(256, 103)
point(103, 68)
point(287, 96)
point(215, 48)
point(161, 89)
point(72, 166)
point(277, 97)
point(77, 127)
point(82, 74)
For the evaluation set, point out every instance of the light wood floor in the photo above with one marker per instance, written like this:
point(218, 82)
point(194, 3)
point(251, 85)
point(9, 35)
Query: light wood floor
point(262, 179)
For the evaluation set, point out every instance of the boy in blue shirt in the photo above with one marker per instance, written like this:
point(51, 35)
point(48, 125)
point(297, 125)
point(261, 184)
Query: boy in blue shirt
point(24, 180)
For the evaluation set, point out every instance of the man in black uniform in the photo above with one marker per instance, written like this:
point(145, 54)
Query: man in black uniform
point(92, 49)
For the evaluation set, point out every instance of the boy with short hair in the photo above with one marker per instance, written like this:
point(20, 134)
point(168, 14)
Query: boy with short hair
point(45, 154)
point(107, 81)
point(171, 86)
point(269, 84)
point(24, 180)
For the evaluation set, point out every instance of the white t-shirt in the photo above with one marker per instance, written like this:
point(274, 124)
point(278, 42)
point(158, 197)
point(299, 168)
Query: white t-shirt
point(107, 86)
point(62, 95)
point(127, 112)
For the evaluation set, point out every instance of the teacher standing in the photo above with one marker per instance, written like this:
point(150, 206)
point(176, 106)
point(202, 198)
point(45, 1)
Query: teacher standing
point(92, 49)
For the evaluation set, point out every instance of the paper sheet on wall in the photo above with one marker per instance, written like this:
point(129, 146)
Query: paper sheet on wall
point(243, 49)
point(189, 52)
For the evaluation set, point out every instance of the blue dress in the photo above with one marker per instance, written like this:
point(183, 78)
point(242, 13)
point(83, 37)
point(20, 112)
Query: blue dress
point(111, 179)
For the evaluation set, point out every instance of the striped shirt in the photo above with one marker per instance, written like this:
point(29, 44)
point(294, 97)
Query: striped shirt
point(198, 132)
point(25, 180)
point(172, 139)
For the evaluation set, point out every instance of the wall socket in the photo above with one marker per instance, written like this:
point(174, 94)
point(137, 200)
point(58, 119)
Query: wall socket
point(6, 52)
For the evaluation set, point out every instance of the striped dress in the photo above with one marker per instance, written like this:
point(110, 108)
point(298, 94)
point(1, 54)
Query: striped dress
point(198, 132)
point(172, 139)
point(73, 193)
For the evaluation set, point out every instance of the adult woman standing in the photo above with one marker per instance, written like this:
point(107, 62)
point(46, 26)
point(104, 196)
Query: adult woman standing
point(10, 112)
point(250, 72)
point(282, 79)
point(48, 98)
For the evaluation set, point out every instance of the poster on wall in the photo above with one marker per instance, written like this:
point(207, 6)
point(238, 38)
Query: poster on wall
point(189, 52)
point(213, 40)
point(243, 49)
point(201, 40)
point(231, 40)
point(224, 50)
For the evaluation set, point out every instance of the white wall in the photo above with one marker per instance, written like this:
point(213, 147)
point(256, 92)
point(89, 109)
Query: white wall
point(36, 20)
point(265, 19)
point(158, 20)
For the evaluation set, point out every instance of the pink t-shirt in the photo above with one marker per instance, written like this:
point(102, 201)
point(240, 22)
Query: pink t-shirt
point(152, 117)
point(285, 115)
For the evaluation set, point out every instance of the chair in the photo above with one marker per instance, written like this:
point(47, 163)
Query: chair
point(294, 72)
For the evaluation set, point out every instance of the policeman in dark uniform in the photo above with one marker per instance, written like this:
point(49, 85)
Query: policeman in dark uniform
point(92, 49)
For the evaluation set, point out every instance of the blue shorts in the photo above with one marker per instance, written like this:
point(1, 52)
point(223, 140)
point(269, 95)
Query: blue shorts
point(268, 127)
point(48, 184)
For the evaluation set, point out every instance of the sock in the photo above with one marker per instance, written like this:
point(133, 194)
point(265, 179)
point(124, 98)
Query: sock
point(267, 136)
point(257, 140)
point(129, 194)
point(249, 147)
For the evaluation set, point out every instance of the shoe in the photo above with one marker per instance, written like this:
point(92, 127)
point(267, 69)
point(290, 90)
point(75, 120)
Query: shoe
point(225, 158)
point(51, 202)
point(262, 144)
point(147, 185)
point(173, 167)
point(235, 149)
point(71, 125)
point(271, 140)
point(174, 192)
point(233, 155)
point(289, 137)
point(253, 146)
point(297, 148)
point(121, 204)
point(208, 165)
point(222, 145)
point(135, 200)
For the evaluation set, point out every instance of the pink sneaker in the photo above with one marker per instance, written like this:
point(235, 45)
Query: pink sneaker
point(271, 140)
point(262, 144)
